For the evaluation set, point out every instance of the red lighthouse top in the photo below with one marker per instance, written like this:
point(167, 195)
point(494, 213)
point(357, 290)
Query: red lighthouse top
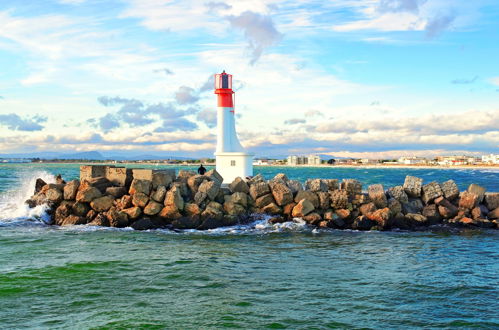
point(223, 88)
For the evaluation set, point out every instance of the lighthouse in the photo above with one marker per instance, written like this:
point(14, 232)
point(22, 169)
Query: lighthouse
point(232, 160)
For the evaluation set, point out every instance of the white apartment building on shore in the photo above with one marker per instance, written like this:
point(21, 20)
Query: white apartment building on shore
point(294, 160)
point(490, 159)
point(412, 160)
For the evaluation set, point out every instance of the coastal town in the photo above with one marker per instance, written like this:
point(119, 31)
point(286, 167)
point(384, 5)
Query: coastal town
point(489, 160)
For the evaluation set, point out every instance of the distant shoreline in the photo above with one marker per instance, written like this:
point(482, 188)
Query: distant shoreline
point(392, 166)
point(373, 166)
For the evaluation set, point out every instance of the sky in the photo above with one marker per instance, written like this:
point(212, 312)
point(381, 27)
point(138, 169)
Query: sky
point(341, 78)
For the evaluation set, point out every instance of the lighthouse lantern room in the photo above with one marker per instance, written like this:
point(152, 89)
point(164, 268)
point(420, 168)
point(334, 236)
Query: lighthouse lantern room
point(232, 160)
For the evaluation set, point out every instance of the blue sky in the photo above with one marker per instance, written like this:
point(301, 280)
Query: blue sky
point(350, 78)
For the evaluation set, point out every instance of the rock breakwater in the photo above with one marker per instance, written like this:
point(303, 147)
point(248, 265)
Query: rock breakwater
point(147, 199)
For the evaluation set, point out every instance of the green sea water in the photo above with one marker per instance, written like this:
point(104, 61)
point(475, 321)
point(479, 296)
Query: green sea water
point(254, 276)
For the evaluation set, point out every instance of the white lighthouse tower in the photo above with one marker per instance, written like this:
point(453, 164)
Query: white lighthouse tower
point(232, 160)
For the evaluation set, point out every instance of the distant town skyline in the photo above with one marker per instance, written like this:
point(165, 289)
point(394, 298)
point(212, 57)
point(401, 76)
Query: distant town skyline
point(346, 78)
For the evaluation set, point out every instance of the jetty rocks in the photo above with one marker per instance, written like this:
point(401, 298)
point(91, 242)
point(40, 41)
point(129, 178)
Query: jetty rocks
point(147, 199)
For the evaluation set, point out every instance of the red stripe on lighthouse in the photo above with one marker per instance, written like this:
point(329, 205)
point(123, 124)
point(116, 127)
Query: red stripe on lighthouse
point(225, 97)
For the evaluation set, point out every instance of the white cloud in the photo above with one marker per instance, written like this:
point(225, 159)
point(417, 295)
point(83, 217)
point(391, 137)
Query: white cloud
point(494, 81)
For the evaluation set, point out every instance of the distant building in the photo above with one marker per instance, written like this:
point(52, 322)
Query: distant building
point(263, 161)
point(297, 160)
point(314, 160)
point(367, 161)
point(294, 160)
point(456, 160)
point(412, 160)
point(490, 159)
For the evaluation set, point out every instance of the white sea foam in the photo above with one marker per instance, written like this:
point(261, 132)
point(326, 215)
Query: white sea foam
point(13, 208)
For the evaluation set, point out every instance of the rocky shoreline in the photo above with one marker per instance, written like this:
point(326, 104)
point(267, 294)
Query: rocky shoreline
point(149, 199)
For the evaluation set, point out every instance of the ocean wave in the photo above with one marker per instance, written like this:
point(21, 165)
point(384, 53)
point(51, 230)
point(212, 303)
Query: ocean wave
point(13, 208)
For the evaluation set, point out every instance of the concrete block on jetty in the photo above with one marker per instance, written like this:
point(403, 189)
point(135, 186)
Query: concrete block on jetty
point(147, 198)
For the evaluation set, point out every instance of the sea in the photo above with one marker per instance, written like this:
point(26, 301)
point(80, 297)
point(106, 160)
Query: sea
point(254, 276)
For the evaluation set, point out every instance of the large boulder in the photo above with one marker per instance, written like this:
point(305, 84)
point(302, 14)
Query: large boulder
point(124, 202)
point(282, 194)
point(431, 213)
point(256, 179)
point(295, 186)
point(339, 199)
point(99, 220)
point(211, 222)
point(153, 208)
point(88, 194)
point(343, 214)
point(140, 186)
point(368, 208)
point(381, 217)
point(450, 190)
point(102, 204)
point(324, 200)
point(72, 220)
point(116, 218)
point(259, 189)
point(351, 186)
point(288, 209)
point(80, 209)
point(101, 183)
point(133, 212)
point(492, 200)
point(232, 208)
point(211, 188)
point(399, 194)
point(187, 222)
point(414, 205)
point(316, 185)
point(477, 212)
point(239, 185)
point(416, 219)
point(192, 209)
point(195, 181)
point(213, 175)
point(431, 191)
point(468, 200)
point(213, 211)
point(174, 197)
point(494, 214)
point(170, 212)
point(239, 198)
point(445, 208)
point(143, 224)
point(52, 186)
point(377, 195)
point(140, 199)
point(413, 186)
point(332, 184)
point(280, 177)
point(200, 198)
point(310, 196)
point(62, 212)
point(303, 208)
point(395, 206)
point(159, 194)
point(161, 179)
point(71, 189)
point(39, 184)
point(479, 191)
point(54, 195)
point(363, 223)
point(116, 192)
point(272, 209)
point(313, 218)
